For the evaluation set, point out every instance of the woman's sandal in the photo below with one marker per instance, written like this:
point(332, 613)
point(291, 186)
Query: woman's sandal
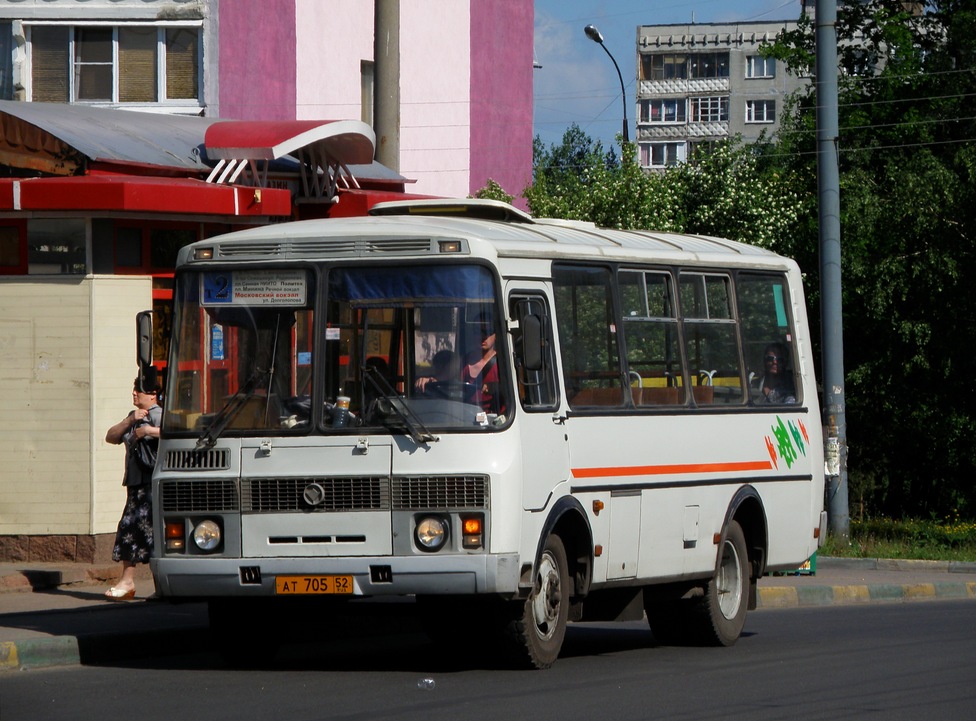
point(120, 594)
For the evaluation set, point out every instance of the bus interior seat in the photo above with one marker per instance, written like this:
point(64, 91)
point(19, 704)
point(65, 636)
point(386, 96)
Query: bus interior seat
point(704, 395)
point(660, 396)
point(598, 397)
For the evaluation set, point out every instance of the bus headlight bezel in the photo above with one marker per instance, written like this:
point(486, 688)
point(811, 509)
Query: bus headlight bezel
point(432, 532)
point(207, 535)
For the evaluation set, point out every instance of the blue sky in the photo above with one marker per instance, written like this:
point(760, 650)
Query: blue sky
point(577, 82)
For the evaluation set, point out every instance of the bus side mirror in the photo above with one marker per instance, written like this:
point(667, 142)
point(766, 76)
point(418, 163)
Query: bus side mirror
point(531, 327)
point(144, 345)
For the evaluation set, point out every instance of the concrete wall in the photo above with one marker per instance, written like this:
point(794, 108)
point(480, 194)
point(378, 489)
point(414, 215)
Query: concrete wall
point(67, 360)
point(435, 102)
point(257, 61)
point(331, 40)
point(501, 94)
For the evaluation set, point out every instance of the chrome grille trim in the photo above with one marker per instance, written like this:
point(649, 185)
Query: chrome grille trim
point(186, 496)
point(211, 459)
point(327, 247)
point(447, 492)
point(271, 495)
point(235, 249)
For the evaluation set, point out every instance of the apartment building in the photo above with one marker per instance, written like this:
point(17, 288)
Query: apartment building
point(700, 83)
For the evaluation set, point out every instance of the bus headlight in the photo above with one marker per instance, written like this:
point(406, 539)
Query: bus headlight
point(431, 533)
point(207, 535)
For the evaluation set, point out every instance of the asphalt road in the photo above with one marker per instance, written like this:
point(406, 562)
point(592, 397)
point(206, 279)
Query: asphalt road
point(882, 661)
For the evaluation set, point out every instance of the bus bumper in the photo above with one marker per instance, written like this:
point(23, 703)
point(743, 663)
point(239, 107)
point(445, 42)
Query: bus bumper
point(208, 576)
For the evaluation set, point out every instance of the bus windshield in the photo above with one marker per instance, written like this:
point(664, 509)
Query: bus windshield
point(406, 349)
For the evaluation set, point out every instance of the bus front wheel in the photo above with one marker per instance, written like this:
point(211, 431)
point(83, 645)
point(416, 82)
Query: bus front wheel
point(540, 625)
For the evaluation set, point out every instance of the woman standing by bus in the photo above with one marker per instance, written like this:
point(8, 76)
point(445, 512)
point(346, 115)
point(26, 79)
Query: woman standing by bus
point(139, 432)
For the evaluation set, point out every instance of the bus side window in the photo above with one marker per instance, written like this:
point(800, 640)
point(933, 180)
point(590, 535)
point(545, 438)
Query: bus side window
point(650, 324)
point(532, 344)
point(711, 338)
point(766, 322)
point(585, 316)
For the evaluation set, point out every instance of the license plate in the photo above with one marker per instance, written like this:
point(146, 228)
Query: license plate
point(312, 585)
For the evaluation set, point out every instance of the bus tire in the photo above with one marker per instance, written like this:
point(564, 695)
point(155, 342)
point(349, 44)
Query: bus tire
point(539, 626)
point(722, 609)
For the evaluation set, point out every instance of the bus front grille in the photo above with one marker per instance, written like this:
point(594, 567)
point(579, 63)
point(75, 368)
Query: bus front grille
point(444, 492)
point(268, 495)
point(199, 496)
point(275, 495)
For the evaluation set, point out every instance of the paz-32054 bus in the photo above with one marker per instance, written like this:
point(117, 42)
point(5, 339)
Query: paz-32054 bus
point(517, 422)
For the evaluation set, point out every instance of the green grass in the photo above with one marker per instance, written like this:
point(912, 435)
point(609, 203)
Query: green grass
point(907, 539)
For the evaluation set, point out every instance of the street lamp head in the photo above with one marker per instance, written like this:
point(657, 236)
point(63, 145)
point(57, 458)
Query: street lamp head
point(593, 34)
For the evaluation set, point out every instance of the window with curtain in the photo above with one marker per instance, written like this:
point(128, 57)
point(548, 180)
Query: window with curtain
point(137, 65)
point(122, 64)
point(6, 62)
point(49, 64)
point(182, 71)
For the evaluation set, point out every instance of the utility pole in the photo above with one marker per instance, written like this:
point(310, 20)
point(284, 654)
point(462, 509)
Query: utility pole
point(386, 97)
point(832, 319)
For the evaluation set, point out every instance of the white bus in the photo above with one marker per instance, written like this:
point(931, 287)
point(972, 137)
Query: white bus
point(518, 422)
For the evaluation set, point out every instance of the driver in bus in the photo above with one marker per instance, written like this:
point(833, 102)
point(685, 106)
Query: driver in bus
point(445, 368)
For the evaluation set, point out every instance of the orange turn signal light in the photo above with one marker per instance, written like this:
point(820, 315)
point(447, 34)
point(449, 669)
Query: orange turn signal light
point(175, 533)
point(472, 532)
point(472, 526)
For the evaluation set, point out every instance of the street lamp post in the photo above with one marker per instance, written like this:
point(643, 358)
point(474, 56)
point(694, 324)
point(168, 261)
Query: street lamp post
point(593, 34)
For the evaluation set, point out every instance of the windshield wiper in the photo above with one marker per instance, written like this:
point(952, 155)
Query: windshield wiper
point(415, 427)
point(231, 408)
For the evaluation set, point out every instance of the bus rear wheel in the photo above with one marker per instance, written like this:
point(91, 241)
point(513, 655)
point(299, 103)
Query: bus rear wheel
point(715, 614)
point(539, 626)
point(726, 600)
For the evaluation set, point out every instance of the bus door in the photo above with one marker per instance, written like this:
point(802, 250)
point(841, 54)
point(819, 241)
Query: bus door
point(545, 451)
point(604, 444)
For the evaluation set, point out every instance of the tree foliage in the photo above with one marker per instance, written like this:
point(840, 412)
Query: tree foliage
point(494, 191)
point(723, 192)
point(907, 126)
point(907, 113)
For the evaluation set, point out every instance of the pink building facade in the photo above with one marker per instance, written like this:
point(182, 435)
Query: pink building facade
point(465, 80)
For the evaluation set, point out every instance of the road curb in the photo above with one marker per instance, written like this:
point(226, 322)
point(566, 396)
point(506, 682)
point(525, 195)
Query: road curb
point(35, 653)
point(795, 597)
point(39, 653)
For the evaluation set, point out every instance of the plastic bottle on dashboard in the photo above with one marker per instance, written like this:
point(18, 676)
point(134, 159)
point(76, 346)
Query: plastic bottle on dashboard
point(340, 414)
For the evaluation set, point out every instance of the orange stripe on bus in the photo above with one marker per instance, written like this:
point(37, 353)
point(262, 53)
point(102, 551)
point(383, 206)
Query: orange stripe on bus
point(672, 469)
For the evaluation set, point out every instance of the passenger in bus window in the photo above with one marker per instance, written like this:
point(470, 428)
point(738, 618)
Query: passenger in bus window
point(777, 382)
point(481, 371)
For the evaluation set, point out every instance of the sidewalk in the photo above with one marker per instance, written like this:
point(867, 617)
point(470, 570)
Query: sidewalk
point(53, 615)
